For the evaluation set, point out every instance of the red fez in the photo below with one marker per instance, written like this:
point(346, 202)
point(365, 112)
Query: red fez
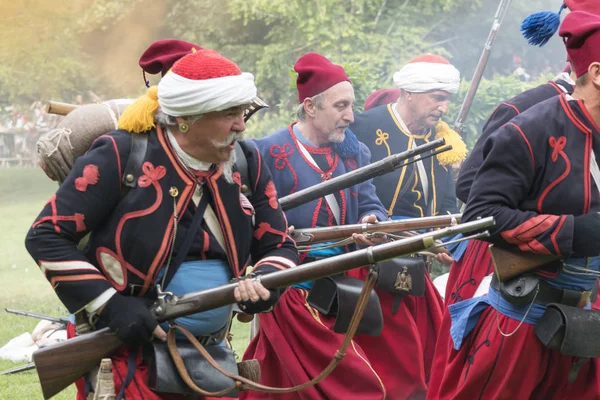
point(316, 74)
point(591, 6)
point(161, 55)
point(581, 33)
point(381, 97)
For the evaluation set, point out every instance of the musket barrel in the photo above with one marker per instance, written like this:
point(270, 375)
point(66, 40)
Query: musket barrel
point(223, 295)
point(37, 316)
point(481, 64)
point(338, 232)
point(357, 176)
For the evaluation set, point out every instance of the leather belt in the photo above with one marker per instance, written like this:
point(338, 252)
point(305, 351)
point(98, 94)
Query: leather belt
point(549, 294)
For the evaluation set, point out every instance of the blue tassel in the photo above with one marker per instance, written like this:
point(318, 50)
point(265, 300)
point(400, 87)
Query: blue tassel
point(538, 28)
point(349, 147)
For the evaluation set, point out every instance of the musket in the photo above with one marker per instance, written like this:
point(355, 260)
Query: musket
point(339, 232)
point(58, 320)
point(20, 368)
point(509, 263)
point(483, 59)
point(63, 363)
point(58, 108)
point(381, 167)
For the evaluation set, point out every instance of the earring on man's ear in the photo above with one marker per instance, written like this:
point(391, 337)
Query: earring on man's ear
point(183, 127)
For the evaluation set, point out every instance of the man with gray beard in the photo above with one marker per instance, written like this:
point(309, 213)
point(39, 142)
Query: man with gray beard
point(296, 342)
point(182, 225)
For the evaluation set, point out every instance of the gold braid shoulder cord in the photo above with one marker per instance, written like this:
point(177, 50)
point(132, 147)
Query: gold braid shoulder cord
point(247, 384)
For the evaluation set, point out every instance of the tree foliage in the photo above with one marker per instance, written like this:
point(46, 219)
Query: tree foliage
point(59, 49)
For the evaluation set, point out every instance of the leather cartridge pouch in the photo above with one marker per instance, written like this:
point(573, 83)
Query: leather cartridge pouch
point(163, 376)
point(401, 276)
point(520, 290)
point(571, 330)
point(338, 295)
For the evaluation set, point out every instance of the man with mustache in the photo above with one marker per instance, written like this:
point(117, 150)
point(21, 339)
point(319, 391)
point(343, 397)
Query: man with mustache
point(296, 342)
point(183, 222)
point(426, 188)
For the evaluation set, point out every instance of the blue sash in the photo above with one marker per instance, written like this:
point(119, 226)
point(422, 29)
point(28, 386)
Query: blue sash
point(198, 275)
point(466, 313)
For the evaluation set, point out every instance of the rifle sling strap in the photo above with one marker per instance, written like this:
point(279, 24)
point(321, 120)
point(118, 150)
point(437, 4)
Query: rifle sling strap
point(241, 163)
point(242, 383)
point(133, 168)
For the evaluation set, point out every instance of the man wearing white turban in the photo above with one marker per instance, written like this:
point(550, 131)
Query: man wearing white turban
point(422, 189)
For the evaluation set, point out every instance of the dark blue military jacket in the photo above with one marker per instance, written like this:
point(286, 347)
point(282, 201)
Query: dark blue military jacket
point(293, 172)
point(505, 111)
point(535, 177)
point(131, 236)
point(401, 191)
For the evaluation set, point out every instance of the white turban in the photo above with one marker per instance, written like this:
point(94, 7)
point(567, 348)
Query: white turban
point(179, 96)
point(424, 76)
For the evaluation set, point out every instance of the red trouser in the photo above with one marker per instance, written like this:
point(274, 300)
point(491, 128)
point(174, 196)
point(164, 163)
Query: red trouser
point(402, 355)
point(295, 343)
point(492, 366)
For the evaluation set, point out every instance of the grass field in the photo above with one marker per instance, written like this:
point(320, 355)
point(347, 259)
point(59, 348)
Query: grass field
point(23, 192)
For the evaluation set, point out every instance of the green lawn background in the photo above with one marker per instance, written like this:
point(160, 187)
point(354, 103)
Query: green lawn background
point(23, 193)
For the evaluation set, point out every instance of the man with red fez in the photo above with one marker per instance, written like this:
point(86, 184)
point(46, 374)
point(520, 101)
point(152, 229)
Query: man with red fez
point(402, 355)
point(181, 222)
point(531, 336)
point(296, 342)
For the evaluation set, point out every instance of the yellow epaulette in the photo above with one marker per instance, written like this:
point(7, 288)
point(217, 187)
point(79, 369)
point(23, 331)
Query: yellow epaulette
point(459, 148)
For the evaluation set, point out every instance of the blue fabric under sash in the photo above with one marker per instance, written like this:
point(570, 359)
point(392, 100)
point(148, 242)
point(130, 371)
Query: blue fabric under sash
point(198, 275)
point(577, 274)
point(456, 249)
point(319, 254)
point(466, 313)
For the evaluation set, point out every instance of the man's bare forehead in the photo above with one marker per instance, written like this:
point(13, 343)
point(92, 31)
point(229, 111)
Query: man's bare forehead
point(341, 92)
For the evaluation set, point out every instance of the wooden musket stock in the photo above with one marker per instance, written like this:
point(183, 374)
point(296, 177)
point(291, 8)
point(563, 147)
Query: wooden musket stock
point(509, 264)
point(61, 364)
